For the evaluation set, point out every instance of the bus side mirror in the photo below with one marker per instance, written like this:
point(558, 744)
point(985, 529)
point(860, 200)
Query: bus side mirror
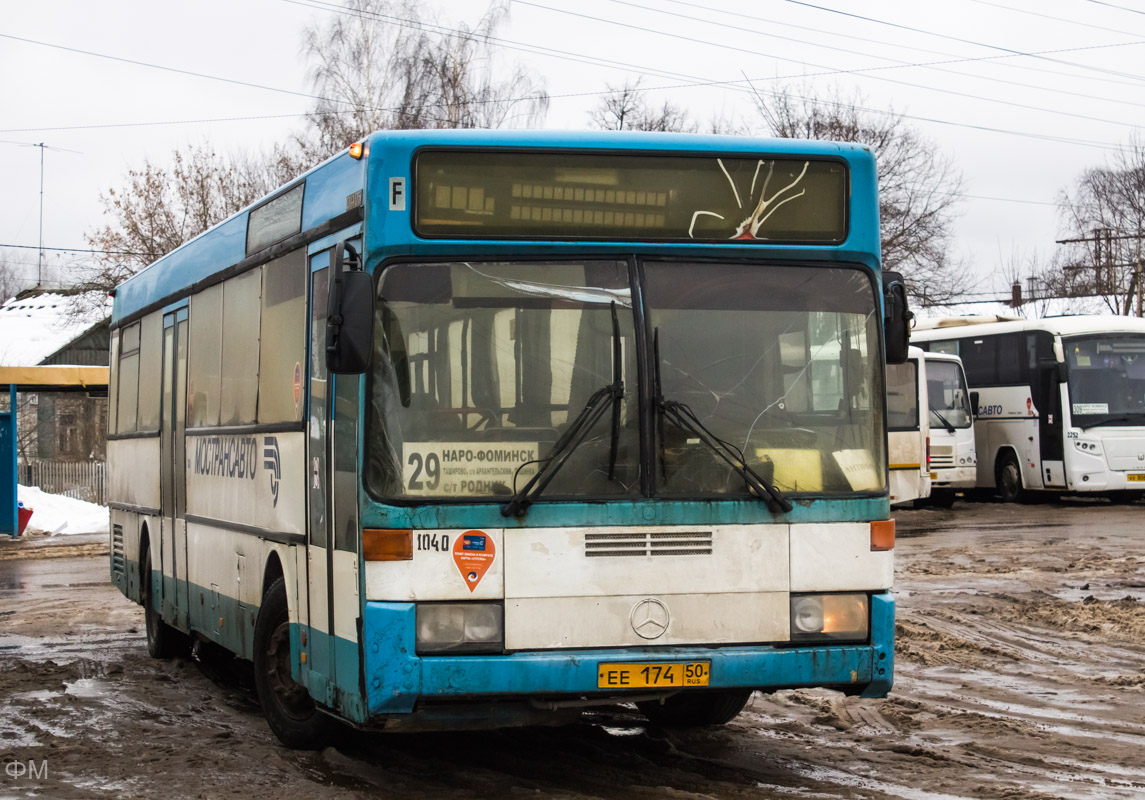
point(1052, 366)
point(349, 314)
point(896, 318)
point(974, 403)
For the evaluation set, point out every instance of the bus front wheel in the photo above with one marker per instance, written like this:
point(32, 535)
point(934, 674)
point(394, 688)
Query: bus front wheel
point(696, 710)
point(287, 705)
point(1008, 479)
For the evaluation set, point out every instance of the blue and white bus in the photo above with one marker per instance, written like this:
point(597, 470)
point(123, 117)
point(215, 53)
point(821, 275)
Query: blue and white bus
point(476, 428)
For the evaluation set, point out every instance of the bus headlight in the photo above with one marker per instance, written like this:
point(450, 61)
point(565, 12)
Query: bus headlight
point(817, 617)
point(460, 627)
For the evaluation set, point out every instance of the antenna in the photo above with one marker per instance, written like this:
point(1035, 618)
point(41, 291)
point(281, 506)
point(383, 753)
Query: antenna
point(43, 147)
point(40, 260)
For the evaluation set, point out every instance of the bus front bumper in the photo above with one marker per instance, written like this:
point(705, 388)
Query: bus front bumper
point(396, 678)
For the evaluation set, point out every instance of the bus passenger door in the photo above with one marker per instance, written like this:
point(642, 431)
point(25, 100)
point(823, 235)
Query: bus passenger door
point(332, 556)
point(173, 465)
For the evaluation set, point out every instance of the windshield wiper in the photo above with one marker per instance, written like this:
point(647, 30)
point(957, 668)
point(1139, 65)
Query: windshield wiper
point(576, 432)
point(945, 423)
point(683, 417)
point(1124, 418)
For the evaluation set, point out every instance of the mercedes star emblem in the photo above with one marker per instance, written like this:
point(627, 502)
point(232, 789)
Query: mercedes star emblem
point(650, 618)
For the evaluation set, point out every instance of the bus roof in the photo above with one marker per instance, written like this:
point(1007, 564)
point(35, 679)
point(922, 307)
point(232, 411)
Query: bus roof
point(337, 193)
point(929, 330)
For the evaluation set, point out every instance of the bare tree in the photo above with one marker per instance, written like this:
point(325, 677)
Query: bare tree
point(1045, 288)
point(161, 206)
point(377, 66)
point(627, 109)
point(11, 271)
point(919, 188)
point(1104, 216)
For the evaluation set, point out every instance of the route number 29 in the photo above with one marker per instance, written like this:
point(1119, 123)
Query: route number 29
point(430, 464)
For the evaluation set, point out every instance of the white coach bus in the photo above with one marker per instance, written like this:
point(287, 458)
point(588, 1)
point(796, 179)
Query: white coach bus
point(953, 461)
point(908, 430)
point(1060, 401)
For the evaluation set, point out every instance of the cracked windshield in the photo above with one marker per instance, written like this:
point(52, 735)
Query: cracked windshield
point(782, 363)
point(482, 372)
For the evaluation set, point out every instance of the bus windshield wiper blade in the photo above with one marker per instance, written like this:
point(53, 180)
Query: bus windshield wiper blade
point(1123, 418)
point(945, 423)
point(576, 432)
point(683, 416)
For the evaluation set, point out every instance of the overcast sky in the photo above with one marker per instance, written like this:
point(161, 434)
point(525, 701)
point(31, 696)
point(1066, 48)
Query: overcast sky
point(1020, 127)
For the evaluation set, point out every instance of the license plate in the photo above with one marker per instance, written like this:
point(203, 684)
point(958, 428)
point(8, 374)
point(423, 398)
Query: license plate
point(1137, 477)
point(653, 676)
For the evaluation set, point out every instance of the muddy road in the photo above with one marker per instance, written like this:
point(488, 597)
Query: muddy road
point(1020, 674)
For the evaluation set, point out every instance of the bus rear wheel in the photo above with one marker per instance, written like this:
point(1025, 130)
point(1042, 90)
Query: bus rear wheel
point(163, 641)
point(289, 710)
point(1008, 479)
point(696, 709)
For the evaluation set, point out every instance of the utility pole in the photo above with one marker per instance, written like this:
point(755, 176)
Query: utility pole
point(40, 260)
point(1104, 266)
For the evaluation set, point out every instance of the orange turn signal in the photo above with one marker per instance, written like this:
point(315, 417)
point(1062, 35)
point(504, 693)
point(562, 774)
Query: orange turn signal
point(356, 150)
point(882, 534)
point(383, 544)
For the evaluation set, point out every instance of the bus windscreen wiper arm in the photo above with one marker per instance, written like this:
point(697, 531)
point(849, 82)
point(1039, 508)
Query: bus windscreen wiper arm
point(576, 432)
point(683, 416)
point(945, 423)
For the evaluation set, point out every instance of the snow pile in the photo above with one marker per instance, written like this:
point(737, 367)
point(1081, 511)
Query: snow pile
point(56, 514)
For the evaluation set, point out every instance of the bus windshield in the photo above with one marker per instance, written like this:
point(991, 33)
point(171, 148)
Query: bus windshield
point(947, 395)
point(480, 368)
point(781, 362)
point(1106, 379)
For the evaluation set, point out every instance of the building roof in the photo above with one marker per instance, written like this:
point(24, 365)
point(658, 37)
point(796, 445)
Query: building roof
point(35, 327)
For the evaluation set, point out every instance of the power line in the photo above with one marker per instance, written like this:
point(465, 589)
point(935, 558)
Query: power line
point(1070, 22)
point(964, 41)
point(735, 85)
point(1003, 60)
point(865, 72)
point(937, 66)
point(74, 250)
point(1119, 8)
point(176, 70)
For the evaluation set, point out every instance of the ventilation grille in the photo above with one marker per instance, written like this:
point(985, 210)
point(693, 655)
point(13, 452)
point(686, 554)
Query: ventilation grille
point(941, 461)
point(118, 563)
point(677, 543)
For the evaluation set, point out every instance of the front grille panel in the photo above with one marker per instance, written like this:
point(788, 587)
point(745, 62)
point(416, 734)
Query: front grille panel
point(643, 544)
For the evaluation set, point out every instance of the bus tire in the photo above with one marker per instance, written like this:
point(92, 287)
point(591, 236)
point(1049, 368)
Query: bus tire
point(942, 498)
point(1008, 479)
point(163, 641)
point(289, 710)
point(696, 709)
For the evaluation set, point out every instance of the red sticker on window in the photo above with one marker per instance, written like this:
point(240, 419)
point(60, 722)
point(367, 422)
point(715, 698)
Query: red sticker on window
point(473, 553)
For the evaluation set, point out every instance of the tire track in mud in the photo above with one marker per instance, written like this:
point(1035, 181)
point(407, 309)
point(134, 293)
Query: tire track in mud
point(1010, 684)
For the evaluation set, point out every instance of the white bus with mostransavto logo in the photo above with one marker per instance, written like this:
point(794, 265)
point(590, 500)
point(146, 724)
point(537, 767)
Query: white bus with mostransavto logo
point(1059, 403)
